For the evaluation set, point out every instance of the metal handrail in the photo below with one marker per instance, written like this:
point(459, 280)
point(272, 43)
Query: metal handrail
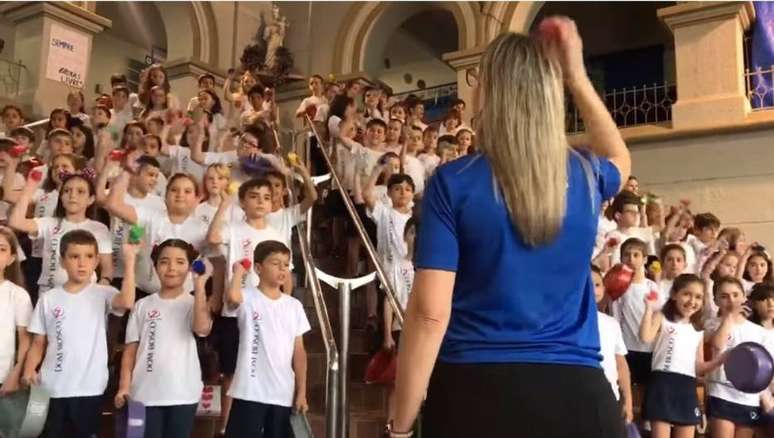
point(386, 284)
point(37, 123)
point(326, 330)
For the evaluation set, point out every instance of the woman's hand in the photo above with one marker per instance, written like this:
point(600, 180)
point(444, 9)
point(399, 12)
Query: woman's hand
point(561, 38)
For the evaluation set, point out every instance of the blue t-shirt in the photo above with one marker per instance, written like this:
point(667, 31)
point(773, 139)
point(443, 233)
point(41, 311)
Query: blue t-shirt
point(514, 303)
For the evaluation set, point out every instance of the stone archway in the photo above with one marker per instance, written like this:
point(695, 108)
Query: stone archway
point(374, 19)
point(192, 19)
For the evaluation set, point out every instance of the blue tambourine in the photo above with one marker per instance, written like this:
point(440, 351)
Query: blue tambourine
point(130, 421)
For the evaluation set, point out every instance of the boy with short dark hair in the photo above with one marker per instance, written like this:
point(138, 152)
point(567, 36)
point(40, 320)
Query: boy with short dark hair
point(704, 233)
point(630, 308)
point(68, 328)
point(626, 213)
point(12, 118)
point(121, 114)
point(270, 376)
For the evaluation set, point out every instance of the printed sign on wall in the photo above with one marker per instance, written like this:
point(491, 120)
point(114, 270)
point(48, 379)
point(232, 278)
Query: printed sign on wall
point(68, 56)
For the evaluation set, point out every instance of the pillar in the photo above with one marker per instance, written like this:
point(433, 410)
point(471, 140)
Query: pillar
point(709, 51)
point(461, 61)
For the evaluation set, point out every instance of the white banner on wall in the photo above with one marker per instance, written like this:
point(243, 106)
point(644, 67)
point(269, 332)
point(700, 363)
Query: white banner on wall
point(68, 56)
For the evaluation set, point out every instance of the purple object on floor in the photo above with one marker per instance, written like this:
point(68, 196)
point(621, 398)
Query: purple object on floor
point(130, 421)
point(749, 367)
point(198, 267)
point(632, 431)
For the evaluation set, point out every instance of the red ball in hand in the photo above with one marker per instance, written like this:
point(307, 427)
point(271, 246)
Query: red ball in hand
point(617, 280)
point(36, 175)
point(17, 151)
point(652, 296)
point(117, 155)
point(245, 264)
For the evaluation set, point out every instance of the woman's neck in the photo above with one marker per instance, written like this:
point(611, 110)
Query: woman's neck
point(171, 292)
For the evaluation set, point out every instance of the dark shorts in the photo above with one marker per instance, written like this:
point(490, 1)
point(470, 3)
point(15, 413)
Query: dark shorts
point(169, 421)
point(73, 417)
point(639, 366)
point(671, 398)
point(248, 419)
point(524, 400)
point(736, 413)
point(226, 331)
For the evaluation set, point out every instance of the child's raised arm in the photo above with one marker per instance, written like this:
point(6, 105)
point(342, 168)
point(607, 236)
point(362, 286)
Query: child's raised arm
point(299, 367)
point(128, 359)
point(215, 232)
point(651, 323)
point(125, 299)
point(202, 319)
point(115, 204)
point(17, 219)
point(11, 193)
point(310, 191)
point(234, 297)
point(369, 195)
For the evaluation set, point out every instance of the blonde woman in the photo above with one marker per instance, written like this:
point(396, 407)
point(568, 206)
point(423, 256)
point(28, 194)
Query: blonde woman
point(500, 330)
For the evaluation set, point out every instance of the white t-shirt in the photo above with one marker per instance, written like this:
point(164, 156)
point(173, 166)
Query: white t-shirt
point(747, 285)
point(158, 228)
point(166, 371)
point(629, 309)
point(401, 277)
point(119, 229)
point(45, 205)
point(367, 159)
point(430, 162)
point(161, 186)
point(416, 170)
point(698, 248)
point(15, 311)
point(241, 239)
point(268, 329)
point(317, 102)
point(283, 221)
point(390, 224)
point(51, 230)
point(75, 363)
point(611, 345)
point(744, 332)
point(644, 234)
point(182, 163)
point(665, 287)
point(675, 348)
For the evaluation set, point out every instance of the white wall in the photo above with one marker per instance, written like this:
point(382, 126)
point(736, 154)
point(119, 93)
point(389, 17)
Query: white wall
point(729, 175)
point(409, 56)
point(327, 19)
point(109, 55)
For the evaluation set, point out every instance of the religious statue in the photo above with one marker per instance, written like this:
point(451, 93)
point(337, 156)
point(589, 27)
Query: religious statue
point(274, 36)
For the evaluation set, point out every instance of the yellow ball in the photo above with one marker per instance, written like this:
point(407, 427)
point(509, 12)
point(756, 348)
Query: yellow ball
point(293, 158)
point(233, 188)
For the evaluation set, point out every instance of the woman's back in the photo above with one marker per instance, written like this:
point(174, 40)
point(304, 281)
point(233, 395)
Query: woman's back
point(513, 302)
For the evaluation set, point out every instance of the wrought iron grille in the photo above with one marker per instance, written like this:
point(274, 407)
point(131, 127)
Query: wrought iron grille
point(10, 77)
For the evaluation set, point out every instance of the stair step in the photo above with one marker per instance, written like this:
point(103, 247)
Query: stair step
point(361, 425)
point(362, 398)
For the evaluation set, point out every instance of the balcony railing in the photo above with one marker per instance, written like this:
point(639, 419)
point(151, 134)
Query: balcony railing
point(10, 77)
point(760, 88)
point(641, 105)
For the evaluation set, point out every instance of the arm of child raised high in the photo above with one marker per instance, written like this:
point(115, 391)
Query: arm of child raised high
point(34, 357)
point(128, 358)
point(651, 322)
point(125, 299)
point(310, 191)
point(115, 204)
point(202, 319)
point(234, 296)
point(369, 192)
point(299, 367)
point(11, 193)
point(215, 232)
point(17, 219)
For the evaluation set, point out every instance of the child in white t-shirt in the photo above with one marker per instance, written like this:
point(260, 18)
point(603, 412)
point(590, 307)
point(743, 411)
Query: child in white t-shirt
point(68, 328)
point(630, 307)
point(15, 313)
point(671, 404)
point(393, 139)
point(160, 365)
point(241, 238)
point(316, 99)
point(613, 350)
point(270, 376)
point(411, 165)
point(429, 156)
point(730, 411)
point(181, 154)
point(401, 276)
point(673, 264)
point(75, 208)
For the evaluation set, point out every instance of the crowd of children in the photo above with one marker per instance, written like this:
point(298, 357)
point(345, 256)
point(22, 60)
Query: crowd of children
point(131, 225)
point(184, 221)
point(697, 291)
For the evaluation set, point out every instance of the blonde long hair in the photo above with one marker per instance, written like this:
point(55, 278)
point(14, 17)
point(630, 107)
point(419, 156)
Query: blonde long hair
point(521, 131)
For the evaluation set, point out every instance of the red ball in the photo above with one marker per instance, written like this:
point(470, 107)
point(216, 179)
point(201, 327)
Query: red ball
point(36, 175)
point(652, 296)
point(245, 264)
point(617, 280)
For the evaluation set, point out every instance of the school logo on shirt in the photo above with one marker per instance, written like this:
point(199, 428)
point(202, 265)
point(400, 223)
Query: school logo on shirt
point(154, 316)
point(753, 415)
point(255, 342)
point(256, 316)
point(670, 348)
point(58, 313)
